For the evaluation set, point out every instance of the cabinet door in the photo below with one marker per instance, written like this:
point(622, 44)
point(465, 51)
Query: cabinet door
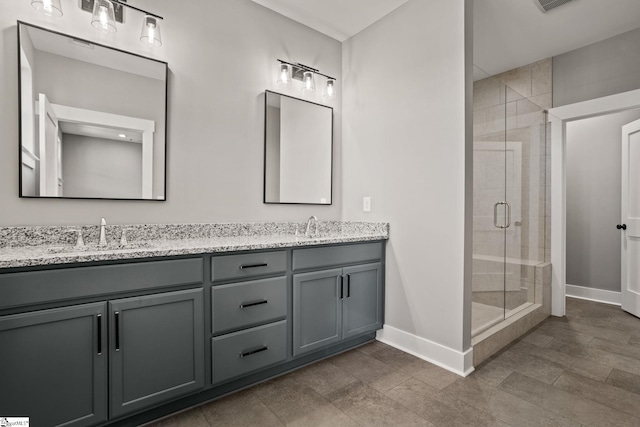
point(317, 314)
point(156, 345)
point(53, 366)
point(362, 303)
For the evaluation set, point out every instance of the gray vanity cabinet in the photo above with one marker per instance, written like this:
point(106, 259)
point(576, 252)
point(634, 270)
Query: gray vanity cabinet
point(53, 365)
point(317, 310)
point(332, 305)
point(362, 302)
point(249, 317)
point(128, 341)
point(156, 349)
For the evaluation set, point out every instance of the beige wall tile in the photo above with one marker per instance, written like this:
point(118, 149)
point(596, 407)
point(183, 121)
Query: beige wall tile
point(541, 77)
point(519, 80)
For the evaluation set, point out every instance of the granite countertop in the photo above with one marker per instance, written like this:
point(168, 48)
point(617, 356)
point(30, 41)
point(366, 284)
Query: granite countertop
point(38, 246)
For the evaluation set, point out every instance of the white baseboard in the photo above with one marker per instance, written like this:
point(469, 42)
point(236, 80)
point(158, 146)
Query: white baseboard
point(591, 294)
point(460, 363)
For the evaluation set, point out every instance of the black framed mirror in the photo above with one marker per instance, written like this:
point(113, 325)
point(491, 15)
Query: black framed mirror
point(92, 119)
point(298, 151)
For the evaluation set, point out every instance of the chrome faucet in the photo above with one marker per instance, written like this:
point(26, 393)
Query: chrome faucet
point(307, 232)
point(103, 235)
point(78, 233)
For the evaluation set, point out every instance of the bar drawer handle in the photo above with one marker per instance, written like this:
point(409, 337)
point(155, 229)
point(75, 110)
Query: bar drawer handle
point(99, 316)
point(253, 303)
point(117, 320)
point(254, 351)
point(243, 267)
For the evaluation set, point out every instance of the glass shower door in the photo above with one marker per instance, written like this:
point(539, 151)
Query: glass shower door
point(490, 210)
point(525, 189)
point(509, 202)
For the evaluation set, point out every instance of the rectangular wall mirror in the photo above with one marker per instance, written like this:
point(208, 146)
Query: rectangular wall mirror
point(92, 119)
point(298, 151)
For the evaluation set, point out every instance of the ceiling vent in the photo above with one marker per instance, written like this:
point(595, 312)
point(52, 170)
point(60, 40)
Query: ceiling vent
point(546, 5)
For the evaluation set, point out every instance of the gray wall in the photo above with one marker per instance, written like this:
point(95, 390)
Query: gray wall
point(593, 200)
point(406, 146)
point(96, 167)
point(605, 68)
point(222, 56)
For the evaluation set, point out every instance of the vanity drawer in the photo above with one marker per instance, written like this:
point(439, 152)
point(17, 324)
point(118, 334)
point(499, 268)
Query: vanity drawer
point(336, 255)
point(247, 265)
point(248, 303)
point(242, 352)
point(45, 286)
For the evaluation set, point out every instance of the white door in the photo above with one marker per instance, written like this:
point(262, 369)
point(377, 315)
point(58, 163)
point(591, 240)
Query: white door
point(48, 139)
point(630, 226)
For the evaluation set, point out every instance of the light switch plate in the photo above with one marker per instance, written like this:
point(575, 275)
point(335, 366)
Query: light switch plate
point(366, 204)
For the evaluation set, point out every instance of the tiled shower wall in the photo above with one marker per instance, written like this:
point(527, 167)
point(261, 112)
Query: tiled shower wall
point(508, 107)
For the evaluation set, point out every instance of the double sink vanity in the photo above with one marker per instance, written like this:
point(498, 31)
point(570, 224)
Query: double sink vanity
point(121, 325)
point(177, 315)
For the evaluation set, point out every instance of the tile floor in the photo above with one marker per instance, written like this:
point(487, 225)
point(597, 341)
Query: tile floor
point(582, 370)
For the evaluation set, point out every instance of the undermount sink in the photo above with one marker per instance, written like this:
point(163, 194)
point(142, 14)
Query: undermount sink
point(94, 247)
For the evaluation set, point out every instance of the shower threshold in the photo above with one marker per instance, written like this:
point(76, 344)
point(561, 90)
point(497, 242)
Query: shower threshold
point(487, 316)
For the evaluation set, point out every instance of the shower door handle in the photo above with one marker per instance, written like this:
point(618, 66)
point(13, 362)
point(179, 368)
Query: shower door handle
point(495, 214)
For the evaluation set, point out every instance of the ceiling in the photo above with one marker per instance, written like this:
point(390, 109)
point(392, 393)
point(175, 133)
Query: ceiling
point(511, 33)
point(507, 33)
point(339, 19)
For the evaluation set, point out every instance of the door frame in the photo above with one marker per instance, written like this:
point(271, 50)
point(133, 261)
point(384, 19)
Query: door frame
point(629, 299)
point(65, 113)
point(559, 117)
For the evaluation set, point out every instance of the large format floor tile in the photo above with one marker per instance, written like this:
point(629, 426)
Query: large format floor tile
point(581, 370)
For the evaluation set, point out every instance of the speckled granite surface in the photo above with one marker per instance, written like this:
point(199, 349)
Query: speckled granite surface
point(48, 245)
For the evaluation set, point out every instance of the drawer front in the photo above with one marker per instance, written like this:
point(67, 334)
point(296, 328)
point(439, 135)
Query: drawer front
point(34, 287)
point(244, 304)
point(247, 265)
point(246, 351)
point(336, 255)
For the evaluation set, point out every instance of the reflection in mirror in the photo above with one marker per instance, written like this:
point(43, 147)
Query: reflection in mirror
point(298, 151)
point(93, 119)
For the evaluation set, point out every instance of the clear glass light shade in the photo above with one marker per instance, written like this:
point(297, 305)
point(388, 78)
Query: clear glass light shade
point(104, 17)
point(309, 84)
point(330, 92)
point(151, 31)
point(284, 78)
point(48, 7)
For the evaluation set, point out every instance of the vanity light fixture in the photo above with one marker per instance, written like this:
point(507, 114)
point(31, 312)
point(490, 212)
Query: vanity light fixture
point(331, 89)
point(150, 31)
point(48, 7)
point(309, 85)
point(306, 74)
point(285, 74)
point(105, 14)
